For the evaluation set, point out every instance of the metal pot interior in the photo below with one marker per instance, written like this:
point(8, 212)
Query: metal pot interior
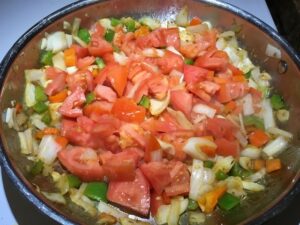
point(253, 35)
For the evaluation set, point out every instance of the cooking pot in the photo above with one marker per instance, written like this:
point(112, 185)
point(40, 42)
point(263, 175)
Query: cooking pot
point(253, 34)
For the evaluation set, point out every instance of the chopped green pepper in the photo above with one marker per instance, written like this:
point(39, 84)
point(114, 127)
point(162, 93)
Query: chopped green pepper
point(109, 35)
point(96, 191)
point(228, 201)
point(74, 182)
point(208, 164)
point(188, 61)
point(90, 97)
point(248, 74)
point(277, 102)
point(40, 95)
point(145, 101)
point(40, 107)
point(130, 25)
point(46, 58)
point(37, 167)
point(46, 118)
point(254, 121)
point(220, 175)
point(100, 63)
point(114, 22)
point(84, 35)
point(239, 171)
point(193, 205)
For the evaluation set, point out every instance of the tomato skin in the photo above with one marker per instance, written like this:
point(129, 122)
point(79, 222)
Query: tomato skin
point(194, 74)
point(169, 62)
point(83, 63)
point(117, 76)
point(57, 84)
point(182, 101)
point(155, 202)
point(96, 109)
point(171, 36)
point(219, 128)
point(81, 52)
point(82, 78)
point(158, 175)
point(127, 110)
point(180, 179)
point(134, 195)
point(70, 106)
point(226, 147)
point(105, 93)
point(82, 162)
point(99, 47)
point(151, 145)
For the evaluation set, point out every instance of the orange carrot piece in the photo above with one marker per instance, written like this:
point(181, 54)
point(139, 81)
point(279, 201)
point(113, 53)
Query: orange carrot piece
point(142, 31)
point(258, 164)
point(51, 131)
point(59, 97)
point(239, 78)
point(273, 165)
point(258, 138)
point(70, 57)
point(62, 141)
point(39, 134)
point(209, 200)
point(195, 21)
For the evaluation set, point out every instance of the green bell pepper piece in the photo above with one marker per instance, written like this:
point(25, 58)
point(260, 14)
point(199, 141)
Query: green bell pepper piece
point(145, 102)
point(228, 201)
point(46, 118)
point(220, 175)
point(84, 35)
point(46, 58)
point(192, 205)
point(37, 167)
point(74, 182)
point(89, 98)
point(40, 107)
point(114, 22)
point(254, 121)
point(96, 191)
point(277, 102)
point(130, 25)
point(248, 74)
point(239, 171)
point(109, 35)
point(40, 95)
point(188, 61)
point(208, 164)
point(100, 63)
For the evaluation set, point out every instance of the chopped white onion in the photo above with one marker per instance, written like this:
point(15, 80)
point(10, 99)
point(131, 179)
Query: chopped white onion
point(69, 39)
point(153, 52)
point(150, 22)
point(53, 109)
point(36, 120)
point(106, 23)
point(180, 118)
point(273, 51)
point(223, 164)
point(10, 117)
point(167, 147)
point(267, 113)
point(78, 198)
point(59, 61)
point(79, 41)
point(245, 162)
point(242, 139)
point(174, 213)
point(162, 214)
point(248, 108)
point(234, 186)
point(109, 209)
point(48, 149)
point(283, 115)
point(26, 141)
point(251, 152)
point(76, 25)
point(37, 75)
point(275, 147)
point(176, 73)
point(204, 109)
point(55, 197)
point(156, 156)
point(201, 180)
point(279, 132)
point(199, 28)
point(57, 41)
point(71, 69)
point(120, 58)
point(193, 146)
point(182, 17)
point(257, 176)
point(227, 34)
point(157, 107)
point(29, 95)
point(251, 186)
point(174, 50)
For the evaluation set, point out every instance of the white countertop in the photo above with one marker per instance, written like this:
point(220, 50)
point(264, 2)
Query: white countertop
point(17, 16)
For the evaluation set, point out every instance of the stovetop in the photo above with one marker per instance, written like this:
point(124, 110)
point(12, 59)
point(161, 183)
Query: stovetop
point(16, 16)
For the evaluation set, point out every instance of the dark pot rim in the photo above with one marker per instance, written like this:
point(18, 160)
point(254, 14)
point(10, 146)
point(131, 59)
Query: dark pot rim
point(8, 59)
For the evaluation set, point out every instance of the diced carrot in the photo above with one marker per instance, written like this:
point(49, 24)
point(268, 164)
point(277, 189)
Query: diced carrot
point(273, 165)
point(258, 138)
point(230, 107)
point(195, 21)
point(59, 97)
point(62, 141)
point(239, 78)
point(19, 108)
point(142, 31)
point(95, 72)
point(209, 200)
point(39, 134)
point(70, 57)
point(50, 131)
point(258, 164)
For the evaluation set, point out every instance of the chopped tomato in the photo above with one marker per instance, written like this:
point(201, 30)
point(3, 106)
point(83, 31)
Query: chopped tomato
point(117, 76)
point(134, 195)
point(154, 39)
point(82, 78)
point(158, 174)
point(180, 179)
point(97, 109)
point(194, 74)
point(97, 30)
point(182, 101)
point(83, 162)
point(195, 21)
point(71, 105)
point(219, 128)
point(105, 93)
point(83, 63)
point(152, 145)
point(258, 138)
point(170, 61)
point(81, 52)
point(127, 110)
point(52, 72)
point(99, 47)
point(57, 84)
point(155, 125)
point(156, 202)
point(171, 36)
point(235, 71)
point(119, 169)
point(232, 90)
point(226, 147)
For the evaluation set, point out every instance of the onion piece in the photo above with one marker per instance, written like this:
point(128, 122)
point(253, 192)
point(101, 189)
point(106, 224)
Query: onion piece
point(193, 146)
point(251, 186)
point(241, 138)
point(120, 58)
point(283, 115)
point(180, 118)
point(150, 22)
point(248, 108)
point(162, 214)
point(273, 51)
point(278, 132)
point(182, 17)
point(174, 213)
point(234, 186)
point(223, 164)
point(36, 120)
point(245, 162)
point(157, 107)
point(267, 113)
point(174, 50)
point(111, 210)
point(79, 41)
point(58, 61)
point(204, 109)
point(156, 156)
point(48, 149)
point(57, 41)
point(167, 147)
point(275, 147)
point(200, 28)
point(76, 25)
point(227, 34)
point(153, 52)
point(55, 197)
point(251, 152)
point(36, 75)
point(106, 23)
point(26, 142)
point(257, 176)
